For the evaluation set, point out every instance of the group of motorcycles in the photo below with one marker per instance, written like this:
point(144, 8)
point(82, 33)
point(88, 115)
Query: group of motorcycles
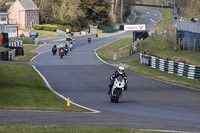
point(63, 50)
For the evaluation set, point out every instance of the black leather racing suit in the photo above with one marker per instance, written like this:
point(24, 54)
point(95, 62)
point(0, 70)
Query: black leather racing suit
point(115, 75)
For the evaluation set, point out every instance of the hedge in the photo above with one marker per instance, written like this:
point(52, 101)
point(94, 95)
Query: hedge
point(46, 27)
point(38, 27)
point(64, 27)
point(50, 27)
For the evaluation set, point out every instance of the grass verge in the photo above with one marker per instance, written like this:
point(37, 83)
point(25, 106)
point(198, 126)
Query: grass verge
point(41, 33)
point(155, 49)
point(68, 129)
point(116, 50)
point(28, 55)
point(23, 89)
point(3, 49)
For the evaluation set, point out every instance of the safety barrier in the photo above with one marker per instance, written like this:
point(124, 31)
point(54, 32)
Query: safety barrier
point(0, 56)
point(132, 19)
point(149, 5)
point(11, 54)
point(7, 56)
point(173, 67)
point(16, 43)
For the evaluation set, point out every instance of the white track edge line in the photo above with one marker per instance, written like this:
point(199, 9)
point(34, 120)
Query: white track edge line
point(61, 96)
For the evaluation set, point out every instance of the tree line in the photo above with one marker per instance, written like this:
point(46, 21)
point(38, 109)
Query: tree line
point(83, 12)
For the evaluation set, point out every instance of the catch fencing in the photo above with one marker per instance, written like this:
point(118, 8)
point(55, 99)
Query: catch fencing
point(173, 67)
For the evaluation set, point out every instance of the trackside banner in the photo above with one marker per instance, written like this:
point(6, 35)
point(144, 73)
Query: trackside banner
point(140, 27)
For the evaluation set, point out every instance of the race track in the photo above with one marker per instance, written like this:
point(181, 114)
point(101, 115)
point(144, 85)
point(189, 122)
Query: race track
point(81, 76)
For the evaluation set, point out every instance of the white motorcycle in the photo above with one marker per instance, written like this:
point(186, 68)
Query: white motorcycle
point(117, 89)
point(70, 46)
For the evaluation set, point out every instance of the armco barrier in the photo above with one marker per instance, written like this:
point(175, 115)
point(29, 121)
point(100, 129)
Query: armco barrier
point(173, 67)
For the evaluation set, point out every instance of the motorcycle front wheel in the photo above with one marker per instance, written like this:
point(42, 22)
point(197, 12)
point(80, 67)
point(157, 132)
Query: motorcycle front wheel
point(112, 98)
point(116, 100)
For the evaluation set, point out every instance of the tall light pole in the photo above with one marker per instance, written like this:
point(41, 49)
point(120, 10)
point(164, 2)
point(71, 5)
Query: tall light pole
point(175, 43)
point(163, 27)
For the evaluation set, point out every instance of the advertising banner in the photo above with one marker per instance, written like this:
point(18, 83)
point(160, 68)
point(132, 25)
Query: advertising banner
point(138, 27)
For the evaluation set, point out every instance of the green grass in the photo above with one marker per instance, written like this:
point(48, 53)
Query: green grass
point(155, 49)
point(41, 33)
point(27, 54)
point(21, 88)
point(67, 129)
point(26, 41)
point(3, 49)
point(119, 49)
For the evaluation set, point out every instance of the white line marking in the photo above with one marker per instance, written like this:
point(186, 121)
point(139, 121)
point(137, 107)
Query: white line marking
point(38, 47)
point(34, 57)
point(61, 96)
point(162, 131)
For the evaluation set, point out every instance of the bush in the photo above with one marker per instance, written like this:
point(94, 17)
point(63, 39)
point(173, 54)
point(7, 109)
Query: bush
point(64, 27)
point(58, 21)
point(26, 40)
point(50, 27)
point(38, 27)
point(76, 29)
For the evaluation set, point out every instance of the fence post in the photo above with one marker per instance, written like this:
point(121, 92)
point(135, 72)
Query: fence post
point(188, 44)
point(179, 43)
point(194, 45)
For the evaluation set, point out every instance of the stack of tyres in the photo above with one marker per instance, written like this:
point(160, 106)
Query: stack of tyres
point(4, 56)
point(0, 56)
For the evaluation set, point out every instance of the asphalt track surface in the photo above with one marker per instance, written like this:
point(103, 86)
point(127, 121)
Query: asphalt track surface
point(81, 76)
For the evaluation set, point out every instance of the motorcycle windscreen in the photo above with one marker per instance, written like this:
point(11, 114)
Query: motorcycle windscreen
point(120, 78)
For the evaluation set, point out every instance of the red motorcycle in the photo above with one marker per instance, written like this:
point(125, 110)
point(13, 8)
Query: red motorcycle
point(62, 52)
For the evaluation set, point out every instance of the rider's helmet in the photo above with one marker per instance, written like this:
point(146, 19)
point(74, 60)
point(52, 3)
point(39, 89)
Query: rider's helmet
point(121, 69)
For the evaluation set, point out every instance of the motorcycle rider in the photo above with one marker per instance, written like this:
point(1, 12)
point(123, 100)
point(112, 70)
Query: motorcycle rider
point(89, 39)
point(66, 46)
point(119, 72)
point(54, 49)
point(61, 48)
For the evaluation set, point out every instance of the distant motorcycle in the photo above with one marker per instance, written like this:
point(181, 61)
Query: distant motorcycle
point(54, 50)
point(70, 46)
point(89, 40)
point(66, 50)
point(117, 89)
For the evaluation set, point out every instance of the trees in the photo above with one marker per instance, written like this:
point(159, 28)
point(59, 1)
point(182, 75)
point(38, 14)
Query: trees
point(83, 12)
point(96, 11)
point(45, 10)
point(189, 8)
